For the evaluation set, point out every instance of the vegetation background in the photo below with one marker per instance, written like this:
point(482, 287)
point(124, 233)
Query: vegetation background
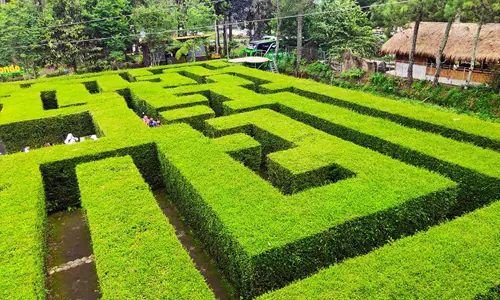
point(57, 37)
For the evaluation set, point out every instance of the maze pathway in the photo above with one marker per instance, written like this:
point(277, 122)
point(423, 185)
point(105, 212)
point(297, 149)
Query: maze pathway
point(293, 188)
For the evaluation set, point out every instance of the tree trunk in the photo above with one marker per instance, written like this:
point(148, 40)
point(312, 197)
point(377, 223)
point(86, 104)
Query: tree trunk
point(217, 38)
point(224, 34)
point(440, 52)
point(230, 19)
point(300, 25)
point(414, 46)
point(75, 66)
point(474, 49)
point(278, 31)
point(257, 35)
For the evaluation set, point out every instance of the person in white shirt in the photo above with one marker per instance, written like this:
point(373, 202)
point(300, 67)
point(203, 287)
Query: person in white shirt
point(70, 139)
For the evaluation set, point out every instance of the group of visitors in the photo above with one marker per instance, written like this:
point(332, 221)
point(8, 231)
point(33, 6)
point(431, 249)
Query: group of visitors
point(28, 148)
point(70, 139)
point(150, 121)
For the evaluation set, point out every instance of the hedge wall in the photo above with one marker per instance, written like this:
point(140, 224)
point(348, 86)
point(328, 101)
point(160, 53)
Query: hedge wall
point(35, 133)
point(456, 260)
point(278, 177)
point(137, 252)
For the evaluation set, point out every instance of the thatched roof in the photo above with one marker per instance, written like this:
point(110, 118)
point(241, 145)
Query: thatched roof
point(460, 42)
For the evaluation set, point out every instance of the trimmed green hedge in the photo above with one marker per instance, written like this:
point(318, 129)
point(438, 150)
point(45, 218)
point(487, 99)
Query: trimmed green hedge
point(158, 99)
point(193, 115)
point(168, 79)
point(302, 250)
point(242, 148)
point(137, 252)
point(36, 133)
point(22, 233)
point(460, 127)
point(456, 260)
point(280, 187)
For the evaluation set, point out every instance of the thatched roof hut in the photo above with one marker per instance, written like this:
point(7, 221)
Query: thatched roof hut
point(459, 46)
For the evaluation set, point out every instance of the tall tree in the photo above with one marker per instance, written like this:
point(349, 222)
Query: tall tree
point(70, 44)
point(113, 26)
point(300, 29)
point(22, 35)
point(451, 10)
point(395, 13)
point(419, 11)
point(196, 16)
point(279, 21)
point(341, 25)
point(483, 11)
point(302, 5)
point(260, 10)
point(156, 23)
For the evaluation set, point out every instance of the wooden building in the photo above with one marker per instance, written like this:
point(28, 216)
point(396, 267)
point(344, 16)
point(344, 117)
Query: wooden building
point(456, 56)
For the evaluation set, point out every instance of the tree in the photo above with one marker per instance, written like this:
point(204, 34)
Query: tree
point(189, 48)
point(301, 7)
point(300, 29)
point(290, 27)
point(340, 26)
point(395, 13)
point(278, 15)
point(22, 35)
point(196, 16)
point(260, 9)
point(156, 24)
point(451, 11)
point(113, 26)
point(70, 45)
point(483, 11)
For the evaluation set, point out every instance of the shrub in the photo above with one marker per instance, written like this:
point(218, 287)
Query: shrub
point(279, 178)
point(137, 251)
point(353, 74)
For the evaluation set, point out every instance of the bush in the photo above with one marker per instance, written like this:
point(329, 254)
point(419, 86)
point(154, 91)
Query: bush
point(461, 253)
point(290, 177)
point(137, 250)
point(353, 74)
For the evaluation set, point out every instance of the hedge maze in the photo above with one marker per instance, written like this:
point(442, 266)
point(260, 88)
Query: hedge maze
point(295, 190)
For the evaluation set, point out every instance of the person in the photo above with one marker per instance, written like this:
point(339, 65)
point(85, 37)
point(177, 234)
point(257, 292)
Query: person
point(70, 139)
point(146, 120)
point(26, 149)
point(153, 123)
point(94, 137)
point(46, 145)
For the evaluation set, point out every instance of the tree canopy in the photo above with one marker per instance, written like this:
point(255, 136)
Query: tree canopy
point(342, 26)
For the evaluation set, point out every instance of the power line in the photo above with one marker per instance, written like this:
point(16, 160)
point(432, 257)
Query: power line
point(107, 18)
point(218, 26)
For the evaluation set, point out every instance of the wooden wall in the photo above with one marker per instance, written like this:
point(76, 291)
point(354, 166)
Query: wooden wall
point(477, 76)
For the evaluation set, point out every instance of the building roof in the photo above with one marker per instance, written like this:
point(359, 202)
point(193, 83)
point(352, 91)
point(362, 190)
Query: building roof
point(460, 41)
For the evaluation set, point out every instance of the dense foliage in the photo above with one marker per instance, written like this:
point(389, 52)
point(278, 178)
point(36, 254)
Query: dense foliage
point(482, 100)
point(278, 177)
point(342, 26)
point(97, 35)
